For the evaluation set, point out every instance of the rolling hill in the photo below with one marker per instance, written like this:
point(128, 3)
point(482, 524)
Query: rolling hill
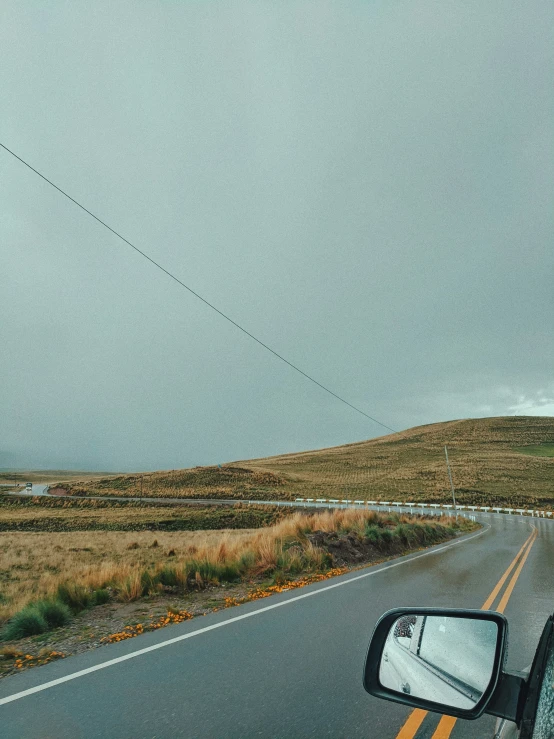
point(505, 460)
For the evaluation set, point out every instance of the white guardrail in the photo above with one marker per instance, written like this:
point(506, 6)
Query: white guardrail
point(433, 507)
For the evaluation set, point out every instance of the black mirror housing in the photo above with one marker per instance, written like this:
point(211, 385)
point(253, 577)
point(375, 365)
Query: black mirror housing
point(373, 685)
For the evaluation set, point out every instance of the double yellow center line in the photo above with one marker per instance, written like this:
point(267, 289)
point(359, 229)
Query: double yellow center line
point(447, 723)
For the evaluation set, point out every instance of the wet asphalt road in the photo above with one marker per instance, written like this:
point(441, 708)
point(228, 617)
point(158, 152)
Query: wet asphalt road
point(38, 489)
point(293, 670)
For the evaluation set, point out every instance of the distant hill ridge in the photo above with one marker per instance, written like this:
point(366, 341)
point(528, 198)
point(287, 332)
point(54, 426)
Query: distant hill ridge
point(505, 460)
point(506, 430)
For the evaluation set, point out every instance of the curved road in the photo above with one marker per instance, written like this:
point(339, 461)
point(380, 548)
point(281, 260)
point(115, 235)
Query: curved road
point(38, 489)
point(290, 665)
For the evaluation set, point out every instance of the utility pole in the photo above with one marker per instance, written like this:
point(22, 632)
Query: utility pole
point(450, 478)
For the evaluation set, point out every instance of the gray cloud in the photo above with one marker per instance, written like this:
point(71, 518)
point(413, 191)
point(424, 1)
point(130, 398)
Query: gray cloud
point(366, 187)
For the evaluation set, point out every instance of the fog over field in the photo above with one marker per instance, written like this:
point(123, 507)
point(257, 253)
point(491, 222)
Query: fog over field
point(367, 187)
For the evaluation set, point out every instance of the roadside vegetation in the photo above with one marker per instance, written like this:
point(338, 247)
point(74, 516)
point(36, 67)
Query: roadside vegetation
point(48, 578)
point(495, 461)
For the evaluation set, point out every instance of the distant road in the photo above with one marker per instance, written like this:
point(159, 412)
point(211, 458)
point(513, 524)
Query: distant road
point(231, 501)
point(37, 490)
point(216, 502)
point(166, 501)
point(290, 665)
point(415, 508)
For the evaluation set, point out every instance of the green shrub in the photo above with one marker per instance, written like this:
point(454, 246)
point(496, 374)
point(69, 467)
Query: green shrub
point(400, 533)
point(27, 622)
point(386, 539)
point(373, 534)
point(279, 578)
point(101, 596)
point(202, 570)
point(54, 612)
point(75, 596)
point(291, 561)
point(149, 582)
point(246, 562)
point(168, 577)
point(417, 532)
point(212, 571)
point(228, 572)
point(409, 534)
point(316, 559)
point(326, 560)
point(430, 532)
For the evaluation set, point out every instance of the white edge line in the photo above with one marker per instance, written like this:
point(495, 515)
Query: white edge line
point(138, 652)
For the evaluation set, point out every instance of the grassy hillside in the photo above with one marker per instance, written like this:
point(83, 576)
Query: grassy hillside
point(227, 482)
point(505, 460)
point(489, 460)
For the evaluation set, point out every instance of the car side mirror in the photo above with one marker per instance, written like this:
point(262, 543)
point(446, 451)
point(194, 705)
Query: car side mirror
point(443, 660)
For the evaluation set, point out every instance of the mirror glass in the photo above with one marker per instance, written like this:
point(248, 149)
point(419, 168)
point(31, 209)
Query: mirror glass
point(439, 658)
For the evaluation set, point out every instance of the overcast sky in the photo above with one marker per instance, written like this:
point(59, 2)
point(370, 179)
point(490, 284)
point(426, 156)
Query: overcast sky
point(365, 186)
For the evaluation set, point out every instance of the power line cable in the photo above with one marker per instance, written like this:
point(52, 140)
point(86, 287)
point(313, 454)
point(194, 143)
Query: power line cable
point(196, 295)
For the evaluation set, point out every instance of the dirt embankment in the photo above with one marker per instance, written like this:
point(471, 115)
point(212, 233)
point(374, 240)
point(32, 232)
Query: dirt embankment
point(57, 490)
point(346, 550)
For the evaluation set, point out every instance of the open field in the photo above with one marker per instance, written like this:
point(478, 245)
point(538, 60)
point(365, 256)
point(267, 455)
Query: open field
point(505, 461)
point(33, 564)
point(56, 514)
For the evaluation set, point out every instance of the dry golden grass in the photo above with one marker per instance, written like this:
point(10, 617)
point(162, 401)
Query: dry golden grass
point(488, 466)
point(33, 565)
point(227, 482)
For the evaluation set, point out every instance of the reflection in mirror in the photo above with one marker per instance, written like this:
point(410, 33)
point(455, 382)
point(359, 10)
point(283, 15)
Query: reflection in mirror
point(439, 658)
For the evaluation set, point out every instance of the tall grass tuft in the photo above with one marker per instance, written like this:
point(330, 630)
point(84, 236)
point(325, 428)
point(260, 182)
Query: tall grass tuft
point(26, 622)
point(76, 596)
point(101, 596)
point(207, 571)
point(168, 576)
point(54, 612)
point(131, 589)
point(292, 561)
